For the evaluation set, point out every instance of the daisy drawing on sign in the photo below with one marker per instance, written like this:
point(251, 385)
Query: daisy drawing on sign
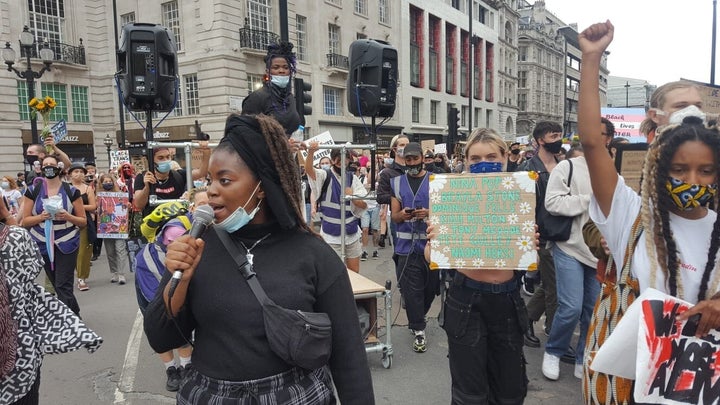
point(434, 220)
point(500, 263)
point(438, 260)
point(524, 208)
point(478, 263)
point(525, 180)
point(508, 183)
point(443, 230)
point(434, 243)
point(437, 183)
point(528, 226)
point(435, 198)
point(512, 219)
point(525, 244)
point(528, 261)
point(460, 263)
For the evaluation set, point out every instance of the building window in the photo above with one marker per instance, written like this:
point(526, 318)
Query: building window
point(434, 51)
point(192, 96)
point(433, 111)
point(522, 53)
point(47, 19)
point(80, 106)
point(334, 39)
point(171, 20)
point(254, 82)
point(416, 40)
point(178, 110)
point(332, 101)
point(126, 19)
point(384, 11)
point(301, 28)
point(361, 7)
point(476, 117)
point(23, 100)
point(415, 109)
point(260, 15)
point(450, 58)
point(456, 4)
point(59, 93)
point(522, 79)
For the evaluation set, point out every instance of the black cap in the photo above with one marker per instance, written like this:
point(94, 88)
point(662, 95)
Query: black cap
point(76, 166)
point(412, 149)
point(429, 154)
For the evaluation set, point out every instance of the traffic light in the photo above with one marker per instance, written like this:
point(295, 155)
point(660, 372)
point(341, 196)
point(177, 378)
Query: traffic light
point(303, 99)
point(453, 123)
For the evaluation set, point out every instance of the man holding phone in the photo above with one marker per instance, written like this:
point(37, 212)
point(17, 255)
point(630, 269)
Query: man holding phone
point(409, 205)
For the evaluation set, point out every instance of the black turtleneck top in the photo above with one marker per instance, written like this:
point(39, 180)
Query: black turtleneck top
point(297, 270)
point(276, 102)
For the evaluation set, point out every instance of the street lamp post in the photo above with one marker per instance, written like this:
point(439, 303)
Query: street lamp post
point(27, 42)
point(627, 92)
point(108, 144)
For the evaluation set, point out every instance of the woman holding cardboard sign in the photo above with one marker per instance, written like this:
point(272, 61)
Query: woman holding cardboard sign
point(485, 344)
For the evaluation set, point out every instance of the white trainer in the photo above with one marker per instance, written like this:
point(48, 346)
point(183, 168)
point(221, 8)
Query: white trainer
point(579, 372)
point(551, 366)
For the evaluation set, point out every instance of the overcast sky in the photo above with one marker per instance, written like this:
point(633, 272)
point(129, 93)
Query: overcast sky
point(655, 40)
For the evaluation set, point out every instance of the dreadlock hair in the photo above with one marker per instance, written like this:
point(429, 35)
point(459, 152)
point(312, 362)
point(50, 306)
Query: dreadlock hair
point(657, 202)
point(284, 50)
point(657, 100)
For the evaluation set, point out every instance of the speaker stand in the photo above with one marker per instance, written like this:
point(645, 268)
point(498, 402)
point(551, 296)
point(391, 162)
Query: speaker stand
point(373, 163)
point(148, 139)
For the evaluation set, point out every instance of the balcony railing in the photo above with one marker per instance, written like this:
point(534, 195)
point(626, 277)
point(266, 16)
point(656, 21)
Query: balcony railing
point(63, 52)
point(338, 61)
point(257, 39)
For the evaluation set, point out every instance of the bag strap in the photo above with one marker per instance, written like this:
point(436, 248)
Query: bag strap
point(570, 174)
point(635, 233)
point(244, 266)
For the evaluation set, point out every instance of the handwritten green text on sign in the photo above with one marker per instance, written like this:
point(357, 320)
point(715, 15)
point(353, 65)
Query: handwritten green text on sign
point(484, 221)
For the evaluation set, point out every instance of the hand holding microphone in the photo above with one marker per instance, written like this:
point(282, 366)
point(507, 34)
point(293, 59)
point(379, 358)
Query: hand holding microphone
point(183, 255)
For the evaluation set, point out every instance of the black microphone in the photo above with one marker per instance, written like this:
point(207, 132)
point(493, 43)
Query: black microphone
point(202, 217)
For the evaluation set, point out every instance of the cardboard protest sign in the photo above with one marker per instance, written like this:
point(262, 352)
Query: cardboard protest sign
point(118, 157)
point(441, 148)
point(323, 139)
point(113, 220)
point(485, 221)
point(629, 161)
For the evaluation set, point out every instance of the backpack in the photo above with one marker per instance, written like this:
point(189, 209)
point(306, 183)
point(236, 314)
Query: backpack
point(154, 222)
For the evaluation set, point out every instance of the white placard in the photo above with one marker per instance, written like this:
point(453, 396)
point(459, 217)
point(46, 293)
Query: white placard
point(323, 139)
point(441, 148)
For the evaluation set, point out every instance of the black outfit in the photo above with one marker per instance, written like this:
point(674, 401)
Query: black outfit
point(276, 102)
point(545, 297)
point(384, 191)
point(485, 324)
point(513, 166)
point(173, 187)
point(297, 271)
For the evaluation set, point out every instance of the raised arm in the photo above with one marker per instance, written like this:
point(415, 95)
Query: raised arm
point(603, 176)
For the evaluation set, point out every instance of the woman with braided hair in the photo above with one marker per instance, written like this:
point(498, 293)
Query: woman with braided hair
point(255, 197)
point(275, 97)
point(677, 249)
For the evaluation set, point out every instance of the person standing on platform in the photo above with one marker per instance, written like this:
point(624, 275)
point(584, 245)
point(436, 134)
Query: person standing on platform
point(326, 184)
point(410, 207)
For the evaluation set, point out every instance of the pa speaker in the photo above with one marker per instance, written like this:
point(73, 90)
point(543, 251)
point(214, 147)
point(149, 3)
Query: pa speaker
point(147, 57)
point(372, 82)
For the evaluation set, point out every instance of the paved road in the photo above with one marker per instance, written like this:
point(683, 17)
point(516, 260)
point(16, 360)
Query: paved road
point(126, 371)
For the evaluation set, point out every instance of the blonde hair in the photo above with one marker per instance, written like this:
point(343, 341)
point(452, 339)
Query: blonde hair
point(486, 135)
point(657, 100)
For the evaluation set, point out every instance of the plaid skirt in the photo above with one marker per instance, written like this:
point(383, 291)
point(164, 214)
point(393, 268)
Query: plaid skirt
point(293, 387)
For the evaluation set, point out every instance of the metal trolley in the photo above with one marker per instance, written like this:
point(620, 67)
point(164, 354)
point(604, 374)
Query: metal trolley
point(366, 293)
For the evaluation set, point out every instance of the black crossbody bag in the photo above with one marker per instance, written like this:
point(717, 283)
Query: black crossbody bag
point(302, 339)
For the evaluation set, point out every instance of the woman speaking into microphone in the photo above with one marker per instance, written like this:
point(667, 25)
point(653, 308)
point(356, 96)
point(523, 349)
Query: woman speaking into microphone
point(255, 197)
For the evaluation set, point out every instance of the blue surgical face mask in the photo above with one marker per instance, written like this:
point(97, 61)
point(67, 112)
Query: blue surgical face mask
point(280, 81)
point(325, 166)
point(486, 167)
point(240, 217)
point(163, 167)
point(5, 185)
point(389, 161)
point(198, 183)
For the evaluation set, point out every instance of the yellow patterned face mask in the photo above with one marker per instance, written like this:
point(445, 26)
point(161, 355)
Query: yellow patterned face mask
point(688, 196)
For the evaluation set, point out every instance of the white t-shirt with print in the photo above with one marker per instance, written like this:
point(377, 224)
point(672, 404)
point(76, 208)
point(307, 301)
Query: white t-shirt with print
point(692, 237)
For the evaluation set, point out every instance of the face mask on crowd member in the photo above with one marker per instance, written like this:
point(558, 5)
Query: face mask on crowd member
point(413, 159)
point(162, 160)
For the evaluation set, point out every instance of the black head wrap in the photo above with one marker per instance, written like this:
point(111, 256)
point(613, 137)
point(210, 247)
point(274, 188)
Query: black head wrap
point(245, 135)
